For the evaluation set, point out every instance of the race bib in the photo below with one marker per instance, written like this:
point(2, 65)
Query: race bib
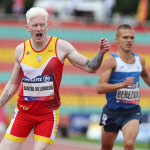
point(39, 88)
point(128, 96)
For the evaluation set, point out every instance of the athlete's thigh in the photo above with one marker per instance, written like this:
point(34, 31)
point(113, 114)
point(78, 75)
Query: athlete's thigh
point(108, 139)
point(38, 145)
point(131, 129)
point(7, 144)
point(20, 127)
point(46, 129)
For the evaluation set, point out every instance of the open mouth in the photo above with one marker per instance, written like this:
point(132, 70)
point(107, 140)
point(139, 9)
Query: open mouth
point(129, 45)
point(39, 35)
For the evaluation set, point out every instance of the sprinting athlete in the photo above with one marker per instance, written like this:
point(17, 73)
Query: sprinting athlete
point(39, 65)
point(119, 80)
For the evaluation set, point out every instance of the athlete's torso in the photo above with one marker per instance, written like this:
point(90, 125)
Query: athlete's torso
point(125, 97)
point(42, 73)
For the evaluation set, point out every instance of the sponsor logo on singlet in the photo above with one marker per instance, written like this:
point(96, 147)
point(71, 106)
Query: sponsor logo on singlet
point(39, 88)
point(28, 53)
point(24, 107)
point(39, 57)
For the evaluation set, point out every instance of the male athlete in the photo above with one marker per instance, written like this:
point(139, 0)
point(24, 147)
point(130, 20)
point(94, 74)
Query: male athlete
point(120, 81)
point(39, 65)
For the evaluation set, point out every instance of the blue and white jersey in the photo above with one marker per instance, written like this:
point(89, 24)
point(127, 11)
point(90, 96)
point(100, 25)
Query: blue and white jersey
point(125, 97)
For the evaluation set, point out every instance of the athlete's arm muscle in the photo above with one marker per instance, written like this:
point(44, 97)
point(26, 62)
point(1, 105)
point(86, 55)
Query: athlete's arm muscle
point(103, 85)
point(66, 50)
point(144, 74)
point(15, 80)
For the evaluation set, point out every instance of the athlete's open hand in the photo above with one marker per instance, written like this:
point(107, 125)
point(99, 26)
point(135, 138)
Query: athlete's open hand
point(128, 81)
point(104, 45)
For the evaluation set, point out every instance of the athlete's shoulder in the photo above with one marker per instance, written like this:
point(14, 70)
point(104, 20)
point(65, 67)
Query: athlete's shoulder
point(114, 54)
point(110, 62)
point(111, 57)
point(20, 47)
point(62, 43)
point(19, 51)
point(142, 60)
point(135, 54)
point(65, 46)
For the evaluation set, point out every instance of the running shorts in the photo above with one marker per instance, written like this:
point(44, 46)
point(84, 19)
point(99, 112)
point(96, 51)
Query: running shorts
point(114, 120)
point(45, 126)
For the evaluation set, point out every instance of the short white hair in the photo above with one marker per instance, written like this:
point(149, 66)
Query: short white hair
point(35, 12)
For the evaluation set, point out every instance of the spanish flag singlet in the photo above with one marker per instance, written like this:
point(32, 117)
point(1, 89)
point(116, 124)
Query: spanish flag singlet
point(42, 73)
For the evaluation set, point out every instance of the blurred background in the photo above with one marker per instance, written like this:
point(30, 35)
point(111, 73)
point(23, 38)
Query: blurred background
point(82, 23)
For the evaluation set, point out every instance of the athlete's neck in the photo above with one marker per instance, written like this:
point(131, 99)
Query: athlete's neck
point(38, 46)
point(127, 57)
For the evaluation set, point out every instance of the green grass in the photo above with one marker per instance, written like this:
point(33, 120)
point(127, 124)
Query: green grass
point(140, 145)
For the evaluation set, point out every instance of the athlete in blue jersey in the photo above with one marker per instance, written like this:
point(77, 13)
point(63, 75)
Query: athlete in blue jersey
point(119, 80)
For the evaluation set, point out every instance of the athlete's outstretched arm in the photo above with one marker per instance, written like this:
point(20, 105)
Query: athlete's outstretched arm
point(14, 82)
point(144, 74)
point(103, 85)
point(66, 50)
point(96, 61)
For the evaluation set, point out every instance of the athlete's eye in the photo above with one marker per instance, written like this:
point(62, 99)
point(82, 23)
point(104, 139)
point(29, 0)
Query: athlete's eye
point(132, 38)
point(42, 25)
point(125, 37)
point(34, 26)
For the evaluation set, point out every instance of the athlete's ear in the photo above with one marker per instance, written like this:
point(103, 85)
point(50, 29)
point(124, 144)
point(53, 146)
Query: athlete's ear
point(117, 39)
point(47, 25)
point(27, 27)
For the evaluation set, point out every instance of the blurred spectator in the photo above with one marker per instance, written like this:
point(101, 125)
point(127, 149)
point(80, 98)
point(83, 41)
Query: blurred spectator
point(71, 5)
point(117, 18)
point(18, 7)
point(49, 7)
point(2, 10)
point(120, 18)
point(129, 19)
point(109, 4)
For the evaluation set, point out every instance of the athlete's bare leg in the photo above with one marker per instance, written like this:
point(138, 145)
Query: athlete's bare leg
point(7, 144)
point(38, 145)
point(130, 131)
point(108, 139)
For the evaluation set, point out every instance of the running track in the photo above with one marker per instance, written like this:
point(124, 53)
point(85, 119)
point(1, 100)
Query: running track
point(62, 144)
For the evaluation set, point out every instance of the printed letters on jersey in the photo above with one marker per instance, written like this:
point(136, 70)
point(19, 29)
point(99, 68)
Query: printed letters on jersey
point(38, 89)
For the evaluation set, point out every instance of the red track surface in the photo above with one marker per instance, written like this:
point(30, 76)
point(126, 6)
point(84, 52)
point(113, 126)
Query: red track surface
point(62, 144)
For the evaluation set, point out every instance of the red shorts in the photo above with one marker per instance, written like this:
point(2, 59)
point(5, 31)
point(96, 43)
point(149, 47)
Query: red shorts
point(45, 126)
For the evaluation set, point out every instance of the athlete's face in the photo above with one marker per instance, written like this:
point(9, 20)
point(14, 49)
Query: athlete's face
point(125, 39)
point(37, 28)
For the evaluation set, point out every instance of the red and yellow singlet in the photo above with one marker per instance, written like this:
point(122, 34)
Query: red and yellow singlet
point(42, 73)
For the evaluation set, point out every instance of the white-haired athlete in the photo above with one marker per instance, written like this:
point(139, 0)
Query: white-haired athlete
point(38, 67)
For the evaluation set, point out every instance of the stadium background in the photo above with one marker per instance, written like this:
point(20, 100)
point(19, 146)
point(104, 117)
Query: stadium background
point(81, 105)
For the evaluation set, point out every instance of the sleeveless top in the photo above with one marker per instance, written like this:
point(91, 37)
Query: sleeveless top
point(125, 97)
point(42, 74)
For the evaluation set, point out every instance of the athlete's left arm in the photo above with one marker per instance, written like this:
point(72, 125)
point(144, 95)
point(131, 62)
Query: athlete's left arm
point(144, 74)
point(89, 65)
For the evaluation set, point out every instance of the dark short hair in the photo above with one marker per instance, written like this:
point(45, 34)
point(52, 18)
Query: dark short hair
point(123, 26)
